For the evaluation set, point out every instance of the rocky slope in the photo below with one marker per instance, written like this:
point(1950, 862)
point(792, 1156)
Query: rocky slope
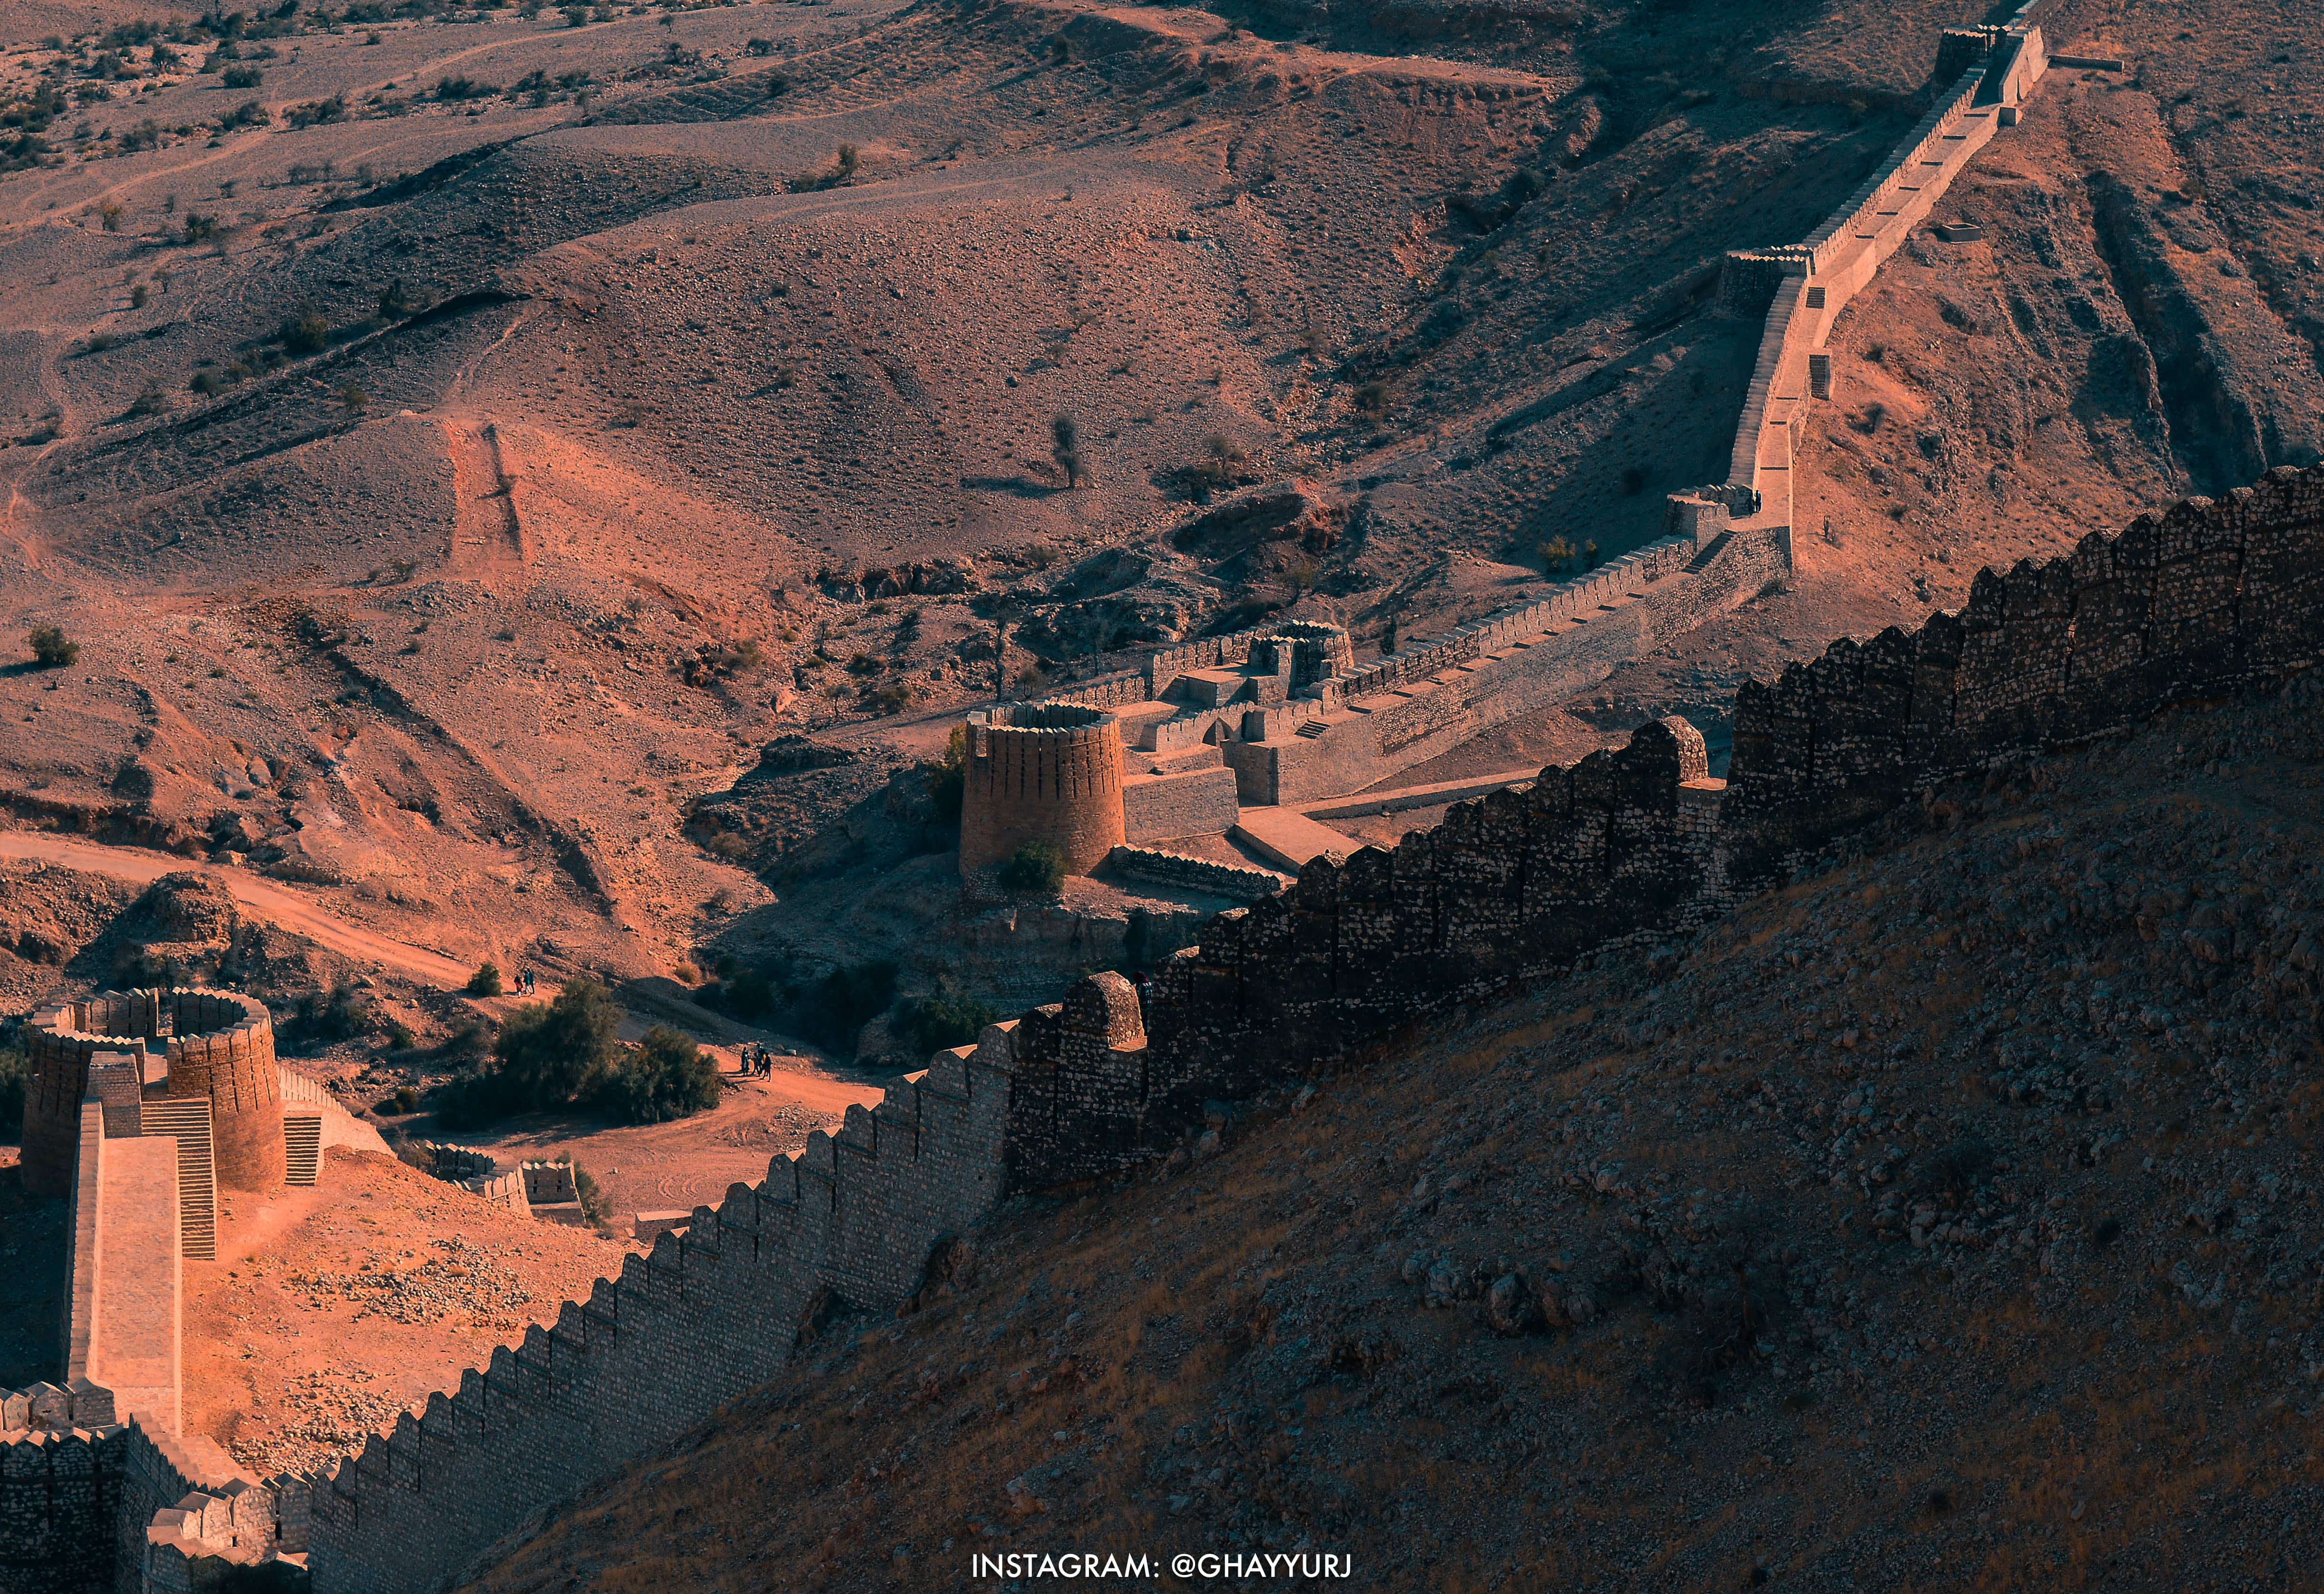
point(1945, 1220)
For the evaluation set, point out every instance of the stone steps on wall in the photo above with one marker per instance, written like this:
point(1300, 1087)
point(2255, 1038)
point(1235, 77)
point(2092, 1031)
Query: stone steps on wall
point(186, 1119)
point(302, 1149)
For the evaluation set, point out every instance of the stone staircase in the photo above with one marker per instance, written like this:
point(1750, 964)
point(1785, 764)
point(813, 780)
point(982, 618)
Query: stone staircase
point(186, 1119)
point(303, 1148)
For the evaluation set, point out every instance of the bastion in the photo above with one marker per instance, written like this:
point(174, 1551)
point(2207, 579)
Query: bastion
point(1041, 772)
point(210, 1045)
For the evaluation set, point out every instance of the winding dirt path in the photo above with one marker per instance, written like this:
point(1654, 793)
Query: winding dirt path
point(263, 899)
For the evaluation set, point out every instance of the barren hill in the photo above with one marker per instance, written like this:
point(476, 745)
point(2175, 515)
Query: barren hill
point(502, 427)
point(1942, 1222)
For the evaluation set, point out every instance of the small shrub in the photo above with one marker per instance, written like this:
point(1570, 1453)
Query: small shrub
point(200, 226)
point(241, 77)
point(305, 333)
point(1634, 481)
point(151, 401)
point(760, 47)
point(109, 216)
point(51, 649)
point(333, 109)
point(1556, 554)
point(249, 114)
point(1036, 867)
point(139, 295)
point(485, 980)
point(353, 398)
point(941, 1020)
point(948, 778)
point(462, 88)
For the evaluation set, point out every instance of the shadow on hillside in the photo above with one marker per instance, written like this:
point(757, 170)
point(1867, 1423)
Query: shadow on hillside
point(33, 1233)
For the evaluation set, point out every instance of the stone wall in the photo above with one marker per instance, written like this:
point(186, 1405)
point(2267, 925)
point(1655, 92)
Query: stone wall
point(1623, 849)
point(1620, 850)
point(851, 1224)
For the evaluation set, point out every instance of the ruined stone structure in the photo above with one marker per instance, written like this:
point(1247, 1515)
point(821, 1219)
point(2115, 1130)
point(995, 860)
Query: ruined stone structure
point(210, 1045)
point(1044, 772)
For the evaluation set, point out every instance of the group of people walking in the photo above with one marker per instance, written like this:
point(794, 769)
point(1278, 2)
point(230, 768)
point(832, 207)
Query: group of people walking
point(758, 1061)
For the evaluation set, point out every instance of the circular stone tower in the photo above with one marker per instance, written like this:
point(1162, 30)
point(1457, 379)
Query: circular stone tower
point(220, 1046)
point(1041, 772)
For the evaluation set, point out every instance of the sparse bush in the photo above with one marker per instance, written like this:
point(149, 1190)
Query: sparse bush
point(200, 226)
point(760, 47)
point(241, 77)
point(843, 169)
point(109, 216)
point(326, 1018)
point(333, 109)
point(1065, 448)
point(940, 1019)
point(1036, 867)
point(666, 1077)
point(249, 114)
point(307, 332)
point(1556, 554)
point(458, 87)
point(354, 399)
point(887, 697)
point(1589, 556)
point(543, 1055)
point(151, 401)
point(139, 295)
point(485, 980)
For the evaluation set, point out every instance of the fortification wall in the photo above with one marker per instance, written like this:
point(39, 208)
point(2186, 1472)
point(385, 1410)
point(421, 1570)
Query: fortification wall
point(1180, 872)
point(1508, 664)
point(1043, 773)
point(1621, 850)
point(2206, 601)
point(710, 1315)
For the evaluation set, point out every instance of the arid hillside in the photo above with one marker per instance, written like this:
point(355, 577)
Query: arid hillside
point(460, 445)
point(1944, 1222)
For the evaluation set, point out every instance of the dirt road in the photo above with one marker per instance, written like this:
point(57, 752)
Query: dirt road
point(262, 899)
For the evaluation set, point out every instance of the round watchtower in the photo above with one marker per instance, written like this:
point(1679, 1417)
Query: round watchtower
point(219, 1047)
point(1041, 772)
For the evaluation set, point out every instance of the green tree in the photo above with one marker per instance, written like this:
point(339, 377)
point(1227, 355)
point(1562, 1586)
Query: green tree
point(486, 980)
point(547, 1050)
point(1038, 867)
point(666, 1077)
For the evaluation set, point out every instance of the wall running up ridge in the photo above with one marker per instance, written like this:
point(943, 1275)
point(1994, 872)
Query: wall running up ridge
point(1624, 848)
